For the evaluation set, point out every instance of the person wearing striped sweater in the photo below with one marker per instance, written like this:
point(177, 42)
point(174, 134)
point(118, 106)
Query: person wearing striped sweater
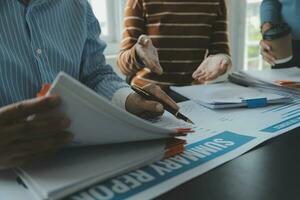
point(174, 42)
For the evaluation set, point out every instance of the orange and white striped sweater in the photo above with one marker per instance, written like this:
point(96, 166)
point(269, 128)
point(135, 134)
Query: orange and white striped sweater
point(181, 30)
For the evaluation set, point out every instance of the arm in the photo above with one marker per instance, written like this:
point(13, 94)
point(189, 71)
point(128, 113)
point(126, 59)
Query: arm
point(270, 12)
point(94, 72)
point(134, 23)
point(219, 40)
point(99, 76)
point(217, 66)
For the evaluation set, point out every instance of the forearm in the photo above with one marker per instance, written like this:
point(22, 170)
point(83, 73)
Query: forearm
point(103, 80)
point(94, 72)
point(128, 61)
point(134, 27)
point(270, 11)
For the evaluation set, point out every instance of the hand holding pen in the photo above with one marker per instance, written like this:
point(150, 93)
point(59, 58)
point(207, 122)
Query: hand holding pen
point(154, 94)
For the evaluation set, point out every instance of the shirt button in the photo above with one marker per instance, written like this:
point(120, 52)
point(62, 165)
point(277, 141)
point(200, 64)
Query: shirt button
point(39, 51)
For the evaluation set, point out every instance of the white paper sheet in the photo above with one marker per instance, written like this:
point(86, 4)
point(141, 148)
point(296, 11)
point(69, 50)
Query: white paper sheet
point(74, 169)
point(227, 95)
point(96, 121)
point(271, 76)
point(220, 137)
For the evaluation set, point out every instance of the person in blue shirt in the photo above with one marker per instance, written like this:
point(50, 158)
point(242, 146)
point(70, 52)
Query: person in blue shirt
point(38, 39)
point(278, 11)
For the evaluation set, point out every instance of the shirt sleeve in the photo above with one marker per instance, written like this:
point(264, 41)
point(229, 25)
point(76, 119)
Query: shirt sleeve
point(219, 39)
point(134, 27)
point(270, 11)
point(94, 71)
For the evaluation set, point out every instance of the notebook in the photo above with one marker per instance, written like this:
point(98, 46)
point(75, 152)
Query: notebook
point(117, 142)
point(229, 95)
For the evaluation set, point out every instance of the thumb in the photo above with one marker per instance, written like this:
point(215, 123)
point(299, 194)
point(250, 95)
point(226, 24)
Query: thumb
point(144, 40)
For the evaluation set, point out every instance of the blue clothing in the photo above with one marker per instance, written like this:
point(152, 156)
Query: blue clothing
point(39, 40)
point(288, 11)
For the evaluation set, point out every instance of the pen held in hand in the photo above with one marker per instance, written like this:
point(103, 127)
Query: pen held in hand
point(168, 108)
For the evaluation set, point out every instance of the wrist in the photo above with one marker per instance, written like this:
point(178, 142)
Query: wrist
point(228, 62)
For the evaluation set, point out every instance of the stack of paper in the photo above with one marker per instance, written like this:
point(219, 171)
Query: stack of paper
point(95, 121)
point(229, 95)
point(285, 81)
point(75, 169)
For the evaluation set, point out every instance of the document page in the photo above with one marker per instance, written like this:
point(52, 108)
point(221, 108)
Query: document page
point(271, 76)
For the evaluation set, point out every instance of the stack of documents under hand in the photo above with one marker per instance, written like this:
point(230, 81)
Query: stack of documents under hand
point(286, 81)
point(229, 95)
point(120, 140)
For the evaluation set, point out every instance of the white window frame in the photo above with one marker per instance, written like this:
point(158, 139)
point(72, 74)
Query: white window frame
point(237, 31)
point(115, 25)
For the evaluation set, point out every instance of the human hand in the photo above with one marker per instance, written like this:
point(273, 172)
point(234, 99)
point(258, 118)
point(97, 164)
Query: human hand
point(28, 131)
point(148, 54)
point(141, 107)
point(212, 67)
point(265, 48)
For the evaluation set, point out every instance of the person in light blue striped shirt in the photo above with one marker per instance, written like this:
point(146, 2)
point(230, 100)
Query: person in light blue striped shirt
point(38, 39)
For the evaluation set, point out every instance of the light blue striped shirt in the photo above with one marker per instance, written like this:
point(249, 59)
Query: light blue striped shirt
point(48, 36)
point(287, 11)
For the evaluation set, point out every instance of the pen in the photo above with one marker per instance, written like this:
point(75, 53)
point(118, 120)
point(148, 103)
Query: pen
point(168, 108)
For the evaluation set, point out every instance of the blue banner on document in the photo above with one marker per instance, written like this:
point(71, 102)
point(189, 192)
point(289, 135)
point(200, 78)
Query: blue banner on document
point(282, 125)
point(195, 155)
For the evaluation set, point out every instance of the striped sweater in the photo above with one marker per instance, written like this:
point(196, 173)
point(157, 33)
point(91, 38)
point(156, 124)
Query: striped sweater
point(181, 30)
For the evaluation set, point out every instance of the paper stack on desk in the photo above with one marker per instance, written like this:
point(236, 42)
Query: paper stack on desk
point(124, 142)
point(286, 81)
point(229, 95)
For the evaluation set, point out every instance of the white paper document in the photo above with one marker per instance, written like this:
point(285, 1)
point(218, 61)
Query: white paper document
point(273, 75)
point(280, 81)
point(220, 137)
point(77, 168)
point(96, 121)
point(229, 95)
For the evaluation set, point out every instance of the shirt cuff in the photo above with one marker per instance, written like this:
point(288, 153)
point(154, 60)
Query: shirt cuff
point(120, 97)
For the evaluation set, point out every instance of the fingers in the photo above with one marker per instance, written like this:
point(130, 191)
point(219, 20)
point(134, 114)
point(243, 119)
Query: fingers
point(199, 73)
point(24, 109)
point(20, 153)
point(211, 68)
point(201, 70)
point(35, 129)
point(151, 109)
point(266, 52)
point(143, 40)
point(161, 95)
point(148, 54)
point(143, 108)
point(23, 148)
point(154, 65)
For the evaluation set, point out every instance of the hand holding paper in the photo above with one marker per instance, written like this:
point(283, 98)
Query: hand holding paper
point(25, 138)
